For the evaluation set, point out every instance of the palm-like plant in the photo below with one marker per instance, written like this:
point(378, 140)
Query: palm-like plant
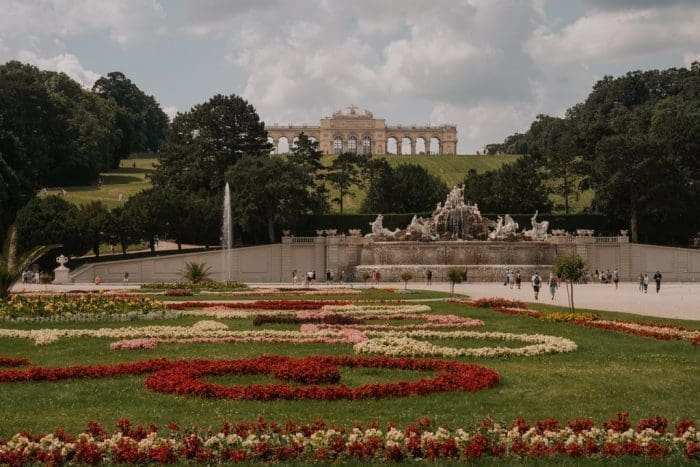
point(11, 267)
point(196, 272)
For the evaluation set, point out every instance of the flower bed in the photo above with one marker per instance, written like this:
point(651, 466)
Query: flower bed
point(404, 344)
point(207, 285)
point(7, 361)
point(232, 311)
point(21, 307)
point(259, 305)
point(182, 377)
point(179, 292)
point(269, 442)
point(657, 331)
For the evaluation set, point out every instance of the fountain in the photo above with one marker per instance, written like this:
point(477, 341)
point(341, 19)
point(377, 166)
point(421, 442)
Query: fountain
point(456, 236)
point(226, 235)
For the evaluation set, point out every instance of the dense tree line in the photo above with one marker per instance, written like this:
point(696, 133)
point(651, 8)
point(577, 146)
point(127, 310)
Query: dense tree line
point(55, 133)
point(635, 141)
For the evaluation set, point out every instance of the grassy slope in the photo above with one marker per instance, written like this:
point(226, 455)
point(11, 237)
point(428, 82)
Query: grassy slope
point(126, 179)
point(610, 372)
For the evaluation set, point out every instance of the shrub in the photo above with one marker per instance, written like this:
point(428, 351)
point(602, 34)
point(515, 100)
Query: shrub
point(196, 272)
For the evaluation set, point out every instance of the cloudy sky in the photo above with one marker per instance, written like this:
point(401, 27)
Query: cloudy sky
point(488, 66)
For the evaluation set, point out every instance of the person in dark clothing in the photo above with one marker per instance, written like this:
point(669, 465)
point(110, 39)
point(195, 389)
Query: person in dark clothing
point(657, 279)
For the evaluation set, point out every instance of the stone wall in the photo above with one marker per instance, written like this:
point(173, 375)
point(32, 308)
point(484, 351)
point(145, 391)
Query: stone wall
point(486, 261)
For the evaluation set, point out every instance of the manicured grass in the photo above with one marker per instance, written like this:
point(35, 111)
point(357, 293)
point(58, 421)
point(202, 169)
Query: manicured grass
point(127, 180)
point(610, 372)
point(367, 294)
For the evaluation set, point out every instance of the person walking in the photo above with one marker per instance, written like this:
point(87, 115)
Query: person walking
point(511, 278)
point(429, 277)
point(616, 277)
point(518, 278)
point(536, 283)
point(553, 284)
point(126, 277)
point(295, 278)
point(646, 282)
point(640, 279)
point(657, 279)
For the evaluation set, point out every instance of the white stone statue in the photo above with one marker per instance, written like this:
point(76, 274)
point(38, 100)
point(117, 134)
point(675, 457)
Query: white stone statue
point(538, 230)
point(505, 228)
point(378, 229)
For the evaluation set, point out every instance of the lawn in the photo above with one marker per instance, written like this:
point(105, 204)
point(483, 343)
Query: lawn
point(127, 180)
point(610, 372)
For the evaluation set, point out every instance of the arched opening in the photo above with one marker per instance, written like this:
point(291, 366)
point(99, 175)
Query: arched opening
point(313, 139)
point(420, 145)
point(283, 145)
point(434, 145)
point(366, 145)
point(337, 145)
point(391, 145)
point(352, 145)
point(271, 140)
point(406, 144)
point(295, 140)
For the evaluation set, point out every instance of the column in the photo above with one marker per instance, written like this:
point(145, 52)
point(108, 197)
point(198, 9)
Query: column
point(398, 146)
point(413, 147)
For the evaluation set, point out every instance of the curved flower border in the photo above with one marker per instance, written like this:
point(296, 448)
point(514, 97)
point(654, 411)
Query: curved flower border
point(404, 344)
point(182, 377)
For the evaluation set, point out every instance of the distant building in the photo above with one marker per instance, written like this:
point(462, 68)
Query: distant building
point(352, 131)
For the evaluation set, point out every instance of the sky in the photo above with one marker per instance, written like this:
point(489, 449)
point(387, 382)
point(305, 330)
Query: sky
point(488, 66)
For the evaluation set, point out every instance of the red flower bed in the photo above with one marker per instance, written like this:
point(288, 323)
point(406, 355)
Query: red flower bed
point(494, 302)
point(262, 305)
point(373, 443)
point(7, 361)
point(334, 319)
point(179, 292)
point(182, 377)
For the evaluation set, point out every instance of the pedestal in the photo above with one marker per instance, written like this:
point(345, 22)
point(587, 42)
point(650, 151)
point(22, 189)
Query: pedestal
point(62, 275)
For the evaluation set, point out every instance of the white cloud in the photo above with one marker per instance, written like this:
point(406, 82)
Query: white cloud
point(170, 110)
point(66, 63)
point(610, 35)
point(690, 57)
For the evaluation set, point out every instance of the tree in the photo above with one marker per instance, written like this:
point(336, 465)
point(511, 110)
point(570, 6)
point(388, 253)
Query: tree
point(571, 268)
point(268, 192)
point(408, 188)
point(11, 266)
point(91, 222)
point(455, 277)
point(344, 173)
point(204, 143)
point(50, 220)
point(405, 277)
point(307, 155)
point(553, 142)
point(119, 228)
point(141, 122)
point(516, 187)
point(151, 215)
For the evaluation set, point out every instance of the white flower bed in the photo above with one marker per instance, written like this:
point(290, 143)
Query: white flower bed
point(403, 344)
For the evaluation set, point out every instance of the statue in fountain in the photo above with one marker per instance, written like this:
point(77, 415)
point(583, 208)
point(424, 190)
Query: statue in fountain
point(506, 228)
point(538, 230)
point(378, 229)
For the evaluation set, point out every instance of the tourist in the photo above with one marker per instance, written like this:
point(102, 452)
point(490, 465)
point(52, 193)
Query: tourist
point(641, 282)
point(429, 277)
point(377, 277)
point(608, 276)
point(518, 278)
point(616, 277)
point(597, 275)
point(126, 277)
point(465, 274)
point(553, 284)
point(511, 280)
point(295, 277)
point(98, 280)
point(536, 283)
point(309, 278)
point(505, 278)
point(329, 276)
point(657, 279)
point(646, 282)
point(36, 277)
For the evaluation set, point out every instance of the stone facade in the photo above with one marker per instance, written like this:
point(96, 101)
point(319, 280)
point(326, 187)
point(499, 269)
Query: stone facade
point(360, 132)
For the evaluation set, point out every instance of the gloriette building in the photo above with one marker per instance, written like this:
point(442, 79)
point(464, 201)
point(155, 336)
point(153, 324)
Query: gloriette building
point(353, 131)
